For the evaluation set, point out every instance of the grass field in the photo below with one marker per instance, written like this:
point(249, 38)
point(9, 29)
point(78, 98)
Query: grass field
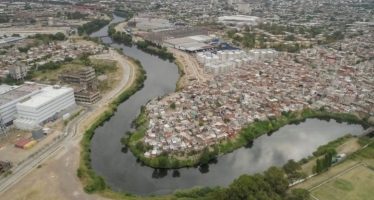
point(356, 184)
point(102, 67)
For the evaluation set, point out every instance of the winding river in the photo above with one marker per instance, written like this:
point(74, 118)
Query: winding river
point(122, 172)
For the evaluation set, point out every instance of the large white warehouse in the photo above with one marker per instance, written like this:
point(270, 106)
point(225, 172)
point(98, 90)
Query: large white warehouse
point(11, 95)
point(43, 106)
point(239, 20)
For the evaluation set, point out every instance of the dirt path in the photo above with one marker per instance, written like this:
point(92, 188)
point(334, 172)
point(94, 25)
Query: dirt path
point(190, 66)
point(121, 26)
point(56, 178)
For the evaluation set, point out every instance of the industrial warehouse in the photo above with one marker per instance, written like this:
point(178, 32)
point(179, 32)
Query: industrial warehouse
point(193, 43)
point(31, 105)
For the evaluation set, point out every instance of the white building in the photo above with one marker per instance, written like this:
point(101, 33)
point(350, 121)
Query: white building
point(222, 61)
point(44, 106)
point(239, 20)
point(11, 95)
point(263, 54)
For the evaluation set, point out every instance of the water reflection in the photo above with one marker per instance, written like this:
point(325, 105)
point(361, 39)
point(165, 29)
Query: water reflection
point(176, 173)
point(124, 149)
point(159, 173)
point(204, 168)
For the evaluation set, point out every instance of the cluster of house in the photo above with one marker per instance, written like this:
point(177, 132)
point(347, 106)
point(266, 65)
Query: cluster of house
point(17, 63)
point(204, 114)
point(19, 13)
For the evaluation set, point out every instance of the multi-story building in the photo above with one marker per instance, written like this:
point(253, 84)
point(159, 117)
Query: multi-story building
point(11, 95)
point(44, 106)
point(18, 72)
point(85, 82)
point(85, 96)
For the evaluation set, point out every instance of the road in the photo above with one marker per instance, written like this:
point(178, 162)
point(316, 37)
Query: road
point(33, 162)
point(60, 160)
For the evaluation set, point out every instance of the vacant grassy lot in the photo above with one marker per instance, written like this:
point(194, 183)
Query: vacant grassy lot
point(108, 68)
point(357, 184)
point(349, 146)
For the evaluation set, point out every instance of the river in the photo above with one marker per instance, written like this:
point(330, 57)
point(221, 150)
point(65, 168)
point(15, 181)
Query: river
point(122, 172)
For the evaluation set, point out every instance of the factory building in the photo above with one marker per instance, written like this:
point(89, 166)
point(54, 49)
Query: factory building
point(193, 43)
point(44, 106)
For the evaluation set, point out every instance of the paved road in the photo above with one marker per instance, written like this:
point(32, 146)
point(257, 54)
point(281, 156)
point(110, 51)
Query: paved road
point(22, 169)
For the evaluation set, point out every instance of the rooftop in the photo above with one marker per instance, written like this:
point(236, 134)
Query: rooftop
point(238, 18)
point(5, 88)
point(11, 93)
point(10, 39)
point(47, 94)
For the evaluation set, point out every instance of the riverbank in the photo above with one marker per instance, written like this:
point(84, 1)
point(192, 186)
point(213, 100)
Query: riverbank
point(90, 180)
point(245, 136)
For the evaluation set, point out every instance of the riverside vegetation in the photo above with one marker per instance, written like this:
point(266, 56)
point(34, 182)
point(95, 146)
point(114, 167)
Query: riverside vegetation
point(144, 45)
point(155, 49)
point(91, 181)
point(246, 136)
point(93, 26)
point(119, 36)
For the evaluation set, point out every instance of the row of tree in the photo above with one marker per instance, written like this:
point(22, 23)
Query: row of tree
point(123, 13)
point(270, 185)
point(92, 26)
point(49, 37)
point(74, 15)
point(324, 163)
point(155, 49)
point(293, 171)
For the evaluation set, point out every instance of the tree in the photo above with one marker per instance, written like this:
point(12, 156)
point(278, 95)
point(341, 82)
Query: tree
point(292, 170)
point(173, 106)
point(299, 194)
point(276, 178)
point(290, 38)
point(291, 167)
point(163, 161)
point(59, 36)
point(319, 166)
point(205, 156)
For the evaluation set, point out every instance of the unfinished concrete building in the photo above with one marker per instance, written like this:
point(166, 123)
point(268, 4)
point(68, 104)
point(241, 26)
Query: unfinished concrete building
point(85, 84)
